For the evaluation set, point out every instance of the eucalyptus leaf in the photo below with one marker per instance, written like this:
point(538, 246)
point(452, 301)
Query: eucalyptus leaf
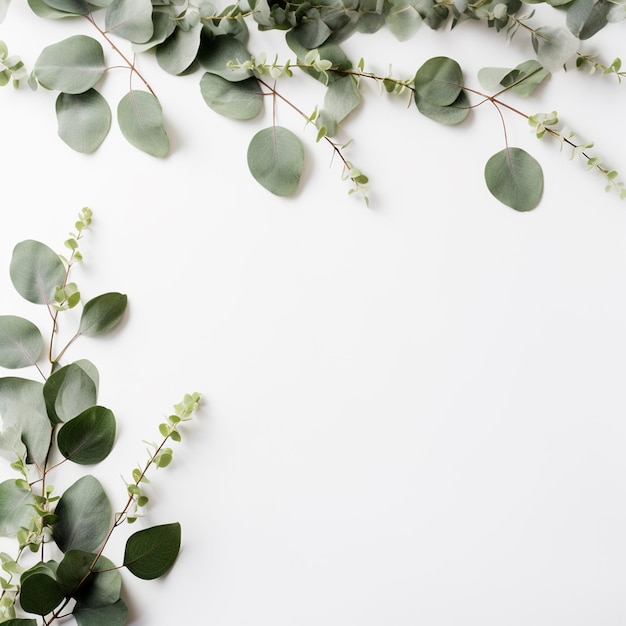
point(515, 178)
point(15, 508)
point(163, 27)
point(89, 437)
point(68, 392)
point(41, 9)
point(276, 160)
point(102, 314)
point(18, 621)
point(179, 51)
point(313, 31)
point(39, 593)
point(341, 98)
point(586, 17)
point(217, 53)
point(72, 66)
point(150, 553)
point(21, 342)
point(403, 19)
point(439, 81)
point(112, 615)
point(36, 271)
point(241, 101)
point(77, 7)
point(84, 516)
point(83, 120)
point(130, 20)
point(554, 46)
point(450, 115)
point(140, 118)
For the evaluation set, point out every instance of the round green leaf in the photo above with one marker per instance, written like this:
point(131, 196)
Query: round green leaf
point(84, 516)
point(151, 552)
point(102, 314)
point(68, 392)
point(15, 509)
point(439, 81)
point(140, 118)
point(239, 101)
point(450, 115)
point(276, 160)
point(515, 178)
point(89, 437)
point(40, 593)
point(73, 65)
point(215, 55)
point(130, 20)
point(113, 615)
point(21, 342)
point(83, 120)
point(554, 46)
point(36, 271)
point(179, 51)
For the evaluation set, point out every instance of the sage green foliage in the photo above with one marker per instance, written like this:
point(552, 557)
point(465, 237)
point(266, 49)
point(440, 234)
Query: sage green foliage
point(201, 36)
point(59, 567)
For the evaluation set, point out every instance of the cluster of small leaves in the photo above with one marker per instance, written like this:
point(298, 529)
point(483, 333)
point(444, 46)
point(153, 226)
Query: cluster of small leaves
point(592, 65)
point(47, 423)
point(191, 35)
point(11, 67)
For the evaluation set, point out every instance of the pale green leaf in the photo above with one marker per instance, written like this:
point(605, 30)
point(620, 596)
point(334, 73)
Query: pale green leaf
point(83, 120)
point(140, 118)
point(15, 509)
point(68, 392)
point(450, 115)
point(130, 20)
point(439, 81)
point(77, 7)
point(21, 342)
point(241, 101)
point(341, 98)
point(179, 50)
point(218, 52)
point(403, 20)
point(554, 46)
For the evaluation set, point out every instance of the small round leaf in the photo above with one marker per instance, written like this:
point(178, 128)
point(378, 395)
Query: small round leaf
point(83, 120)
point(89, 437)
point(151, 552)
point(140, 118)
point(439, 81)
point(102, 314)
point(21, 342)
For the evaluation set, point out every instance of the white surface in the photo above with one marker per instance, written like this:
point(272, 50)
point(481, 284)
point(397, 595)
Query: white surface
point(414, 413)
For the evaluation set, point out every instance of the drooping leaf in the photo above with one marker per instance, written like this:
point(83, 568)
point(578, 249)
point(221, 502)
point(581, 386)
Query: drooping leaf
point(554, 46)
point(515, 178)
point(151, 552)
point(94, 585)
point(73, 65)
point(341, 98)
point(586, 17)
point(83, 120)
point(102, 314)
point(276, 160)
point(41, 9)
point(216, 54)
point(241, 101)
point(450, 115)
point(68, 392)
point(89, 437)
point(40, 593)
point(403, 20)
point(21, 342)
point(15, 511)
point(84, 516)
point(36, 271)
point(522, 79)
point(113, 615)
point(179, 50)
point(23, 414)
point(140, 118)
point(439, 81)
point(130, 20)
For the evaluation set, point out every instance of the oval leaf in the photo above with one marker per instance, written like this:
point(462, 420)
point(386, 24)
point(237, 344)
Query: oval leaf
point(73, 65)
point(216, 54)
point(102, 314)
point(84, 516)
point(276, 159)
point(15, 508)
point(150, 553)
point(179, 51)
point(450, 115)
point(439, 81)
point(68, 392)
point(130, 20)
point(76, 7)
point(554, 46)
point(83, 120)
point(89, 437)
point(239, 101)
point(515, 178)
point(113, 615)
point(40, 593)
point(140, 118)
point(21, 342)
point(36, 271)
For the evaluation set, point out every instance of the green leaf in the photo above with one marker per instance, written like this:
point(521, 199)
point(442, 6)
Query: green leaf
point(113, 615)
point(21, 342)
point(73, 65)
point(586, 17)
point(76, 7)
point(179, 51)
point(15, 509)
point(84, 516)
point(554, 46)
point(21, 622)
point(41, 9)
point(36, 271)
point(140, 118)
point(439, 81)
point(240, 101)
point(68, 392)
point(130, 20)
point(515, 178)
point(342, 97)
point(215, 55)
point(163, 26)
point(23, 413)
point(151, 552)
point(276, 160)
point(450, 115)
point(102, 314)
point(312, 32)
point(522, 79)
point(94, 587)
point(83, 120)
point(40, 593)
point(89, 437)
point(403, 20)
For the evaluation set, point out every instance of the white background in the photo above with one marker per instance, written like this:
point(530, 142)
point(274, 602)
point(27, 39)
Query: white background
point(414, 413)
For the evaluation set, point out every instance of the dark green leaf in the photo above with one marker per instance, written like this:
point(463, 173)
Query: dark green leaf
point(216, 54)
point(586, 17)
point(241, 101)
point(83, 120)
point(36, 271)
point(88, 438)
point(93, 585)
point(113, 615)
point(515, 178)
point(140, 118)
point(68, 392)
point(21, 342)
point(84, 516)
point(40, 593)
point(450, 115)
point(21, 622)
point(102, 314)
point(15, 511)
point(73, 65)
point(150, 553)
point(439, 81)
